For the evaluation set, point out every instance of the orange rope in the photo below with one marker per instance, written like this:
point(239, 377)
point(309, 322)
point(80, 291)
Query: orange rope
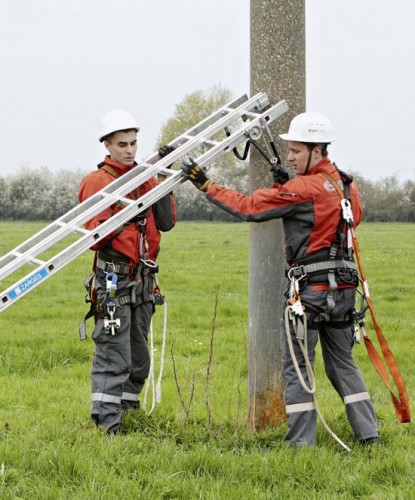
point(400, 403)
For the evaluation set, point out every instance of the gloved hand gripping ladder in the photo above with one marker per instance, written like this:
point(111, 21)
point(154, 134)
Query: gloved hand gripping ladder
point(242, 114)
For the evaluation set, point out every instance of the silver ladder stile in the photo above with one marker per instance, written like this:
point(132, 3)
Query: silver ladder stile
point(246, 115)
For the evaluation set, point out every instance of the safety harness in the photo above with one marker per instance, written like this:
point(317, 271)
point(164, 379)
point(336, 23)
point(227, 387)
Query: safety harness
point(344, 245)
point(143, 288)
point(400, 402)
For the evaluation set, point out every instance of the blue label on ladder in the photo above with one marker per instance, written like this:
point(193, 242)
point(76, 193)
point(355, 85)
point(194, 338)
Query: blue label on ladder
point(25, 285)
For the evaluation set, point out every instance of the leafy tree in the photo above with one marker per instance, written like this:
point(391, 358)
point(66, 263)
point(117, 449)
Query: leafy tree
point(387, 200)
point(4, 199)
point(194, 108)
point(38, 194)
point(408, 202)
point(29, 194)
point(64, 194)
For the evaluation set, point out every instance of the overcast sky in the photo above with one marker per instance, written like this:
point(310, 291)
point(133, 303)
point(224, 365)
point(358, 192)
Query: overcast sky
point(64, 64)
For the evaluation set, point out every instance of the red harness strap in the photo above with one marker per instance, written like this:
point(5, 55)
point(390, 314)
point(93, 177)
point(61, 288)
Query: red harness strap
point(400, 403)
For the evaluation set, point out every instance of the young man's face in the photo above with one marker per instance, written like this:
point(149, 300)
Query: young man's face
point(122, 146)
point(298, 154)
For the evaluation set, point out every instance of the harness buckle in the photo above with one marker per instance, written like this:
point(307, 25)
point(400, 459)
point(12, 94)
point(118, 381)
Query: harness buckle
point(295, 307)
point(111, 324)
point(111, 283)
point(347, 211)
point(296, 273)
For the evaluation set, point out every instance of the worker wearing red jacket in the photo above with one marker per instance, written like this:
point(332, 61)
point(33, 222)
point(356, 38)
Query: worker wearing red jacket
point(321, 270)
point(126, 261)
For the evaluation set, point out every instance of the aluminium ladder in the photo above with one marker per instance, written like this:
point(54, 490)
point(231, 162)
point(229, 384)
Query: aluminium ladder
point(247, 117)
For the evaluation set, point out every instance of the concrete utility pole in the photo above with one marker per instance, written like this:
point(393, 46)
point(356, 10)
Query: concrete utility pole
point(278, 69)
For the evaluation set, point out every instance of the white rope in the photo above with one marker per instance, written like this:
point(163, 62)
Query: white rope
point(163, 350)
point(150, 378)
point(303, 347)
point(311, 389)
point(156, 388)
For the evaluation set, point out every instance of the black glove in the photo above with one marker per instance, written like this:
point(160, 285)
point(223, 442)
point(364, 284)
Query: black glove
point(279, 174)
point(165, 150)
point(194, 173)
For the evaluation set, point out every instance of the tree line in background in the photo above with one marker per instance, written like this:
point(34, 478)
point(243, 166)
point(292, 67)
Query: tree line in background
point(39, 194)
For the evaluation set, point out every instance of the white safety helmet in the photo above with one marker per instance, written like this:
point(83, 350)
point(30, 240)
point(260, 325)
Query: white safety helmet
point(114, 121)
point(310, 127)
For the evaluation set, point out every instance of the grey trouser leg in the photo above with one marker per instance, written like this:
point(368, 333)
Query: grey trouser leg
point(336, 342)
point(346, 378)
point(140, 357)
point(299, 405)
point(121, 361)
point(110, 369)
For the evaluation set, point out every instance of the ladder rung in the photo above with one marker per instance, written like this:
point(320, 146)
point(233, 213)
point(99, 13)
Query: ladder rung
point(211, 143)
point(126, 201)
point(250, 114)
point(37, 262)
point(207, 142)
point(81, 230)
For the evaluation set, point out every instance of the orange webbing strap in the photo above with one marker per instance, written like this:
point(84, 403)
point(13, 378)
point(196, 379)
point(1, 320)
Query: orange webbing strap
point(111, 170)
point(401, 404)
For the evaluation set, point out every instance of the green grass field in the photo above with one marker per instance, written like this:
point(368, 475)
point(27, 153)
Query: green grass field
point(49, 449)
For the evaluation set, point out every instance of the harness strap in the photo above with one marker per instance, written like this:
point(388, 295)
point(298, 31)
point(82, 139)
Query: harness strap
point(316, 267)
point(120, 268)
point(142, 280)
point(401, 403)
point(82, 326)
point(112, 171)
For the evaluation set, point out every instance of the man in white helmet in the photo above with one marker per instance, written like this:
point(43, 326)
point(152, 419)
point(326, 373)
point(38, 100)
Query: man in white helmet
point(321, 271)
point(127, 258)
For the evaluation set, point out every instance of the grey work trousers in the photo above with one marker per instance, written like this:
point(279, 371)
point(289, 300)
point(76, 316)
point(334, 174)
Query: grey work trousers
point(121, 363)
point(337, 340)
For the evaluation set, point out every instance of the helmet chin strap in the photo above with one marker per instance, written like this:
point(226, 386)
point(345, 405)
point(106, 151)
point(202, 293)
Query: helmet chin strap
point(308, 161)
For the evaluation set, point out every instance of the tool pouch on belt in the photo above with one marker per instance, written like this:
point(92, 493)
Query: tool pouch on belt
point(142, 288)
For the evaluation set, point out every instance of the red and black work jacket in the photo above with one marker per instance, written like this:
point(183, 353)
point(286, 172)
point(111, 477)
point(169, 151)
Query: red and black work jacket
point(309, 206)
point(161, 217)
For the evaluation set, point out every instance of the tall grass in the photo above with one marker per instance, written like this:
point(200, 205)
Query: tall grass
point(49, 448)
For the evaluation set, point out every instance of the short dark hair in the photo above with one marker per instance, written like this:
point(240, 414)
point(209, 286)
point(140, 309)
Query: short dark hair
point(108, 136)
point(322, 146)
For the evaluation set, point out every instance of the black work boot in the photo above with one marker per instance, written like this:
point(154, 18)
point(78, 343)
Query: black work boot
point(115, 429)
point(373, 441)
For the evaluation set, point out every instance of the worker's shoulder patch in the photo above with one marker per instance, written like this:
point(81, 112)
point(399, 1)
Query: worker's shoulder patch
point(328, 186)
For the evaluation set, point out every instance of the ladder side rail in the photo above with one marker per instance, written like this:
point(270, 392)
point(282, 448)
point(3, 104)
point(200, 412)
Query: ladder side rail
point(4, 260)
point(48, 268)
point(175, 178)
point(220, 149)
point(216, 115)
point(204, 160)
point(54, 238)
point(98, 203)
point(241, 135)
point(217, 151)
point(259, 101)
